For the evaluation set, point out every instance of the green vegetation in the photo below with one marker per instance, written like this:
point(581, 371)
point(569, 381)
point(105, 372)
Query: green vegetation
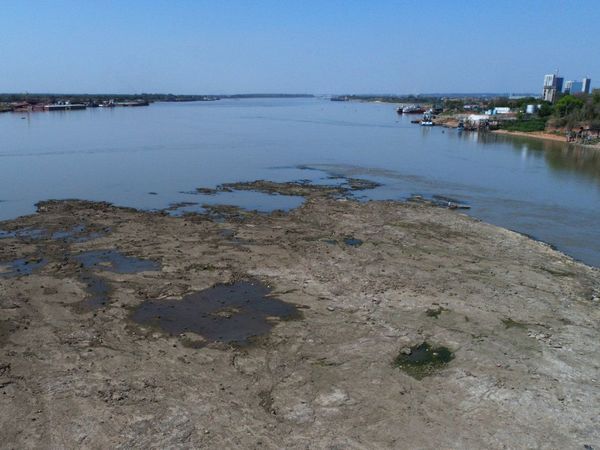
point(527, 125)
point(423, 360)
point(567, 104)
point(545, 110)
point(572, 112)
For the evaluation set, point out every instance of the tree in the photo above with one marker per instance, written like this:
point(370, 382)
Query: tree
point(545, 110)
point(568, 104)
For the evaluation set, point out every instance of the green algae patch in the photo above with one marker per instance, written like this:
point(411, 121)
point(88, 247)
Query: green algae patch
point(423, 360)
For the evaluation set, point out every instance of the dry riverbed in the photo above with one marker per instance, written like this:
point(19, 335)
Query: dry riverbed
point(340, 324)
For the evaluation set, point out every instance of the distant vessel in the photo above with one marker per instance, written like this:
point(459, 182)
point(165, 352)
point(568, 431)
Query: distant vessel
point(64, 106)
point(134, 103)
point(411, 109)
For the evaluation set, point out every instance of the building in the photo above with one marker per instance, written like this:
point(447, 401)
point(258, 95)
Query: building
point(553, 85)
point(531, 109)
point(558, 84)
point(547, 93)
point(501, 110)
point(586, 82)
point(578, 87)
point(573, 87)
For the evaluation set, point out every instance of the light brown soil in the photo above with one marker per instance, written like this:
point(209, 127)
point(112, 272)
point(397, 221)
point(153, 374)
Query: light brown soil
point(520, 318)
point(533, 134)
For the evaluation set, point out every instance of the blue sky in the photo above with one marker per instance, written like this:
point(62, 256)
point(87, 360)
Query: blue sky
point(326, 46)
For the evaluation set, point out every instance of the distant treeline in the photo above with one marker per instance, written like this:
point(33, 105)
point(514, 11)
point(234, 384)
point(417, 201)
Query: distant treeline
point(268, 96)
point(87, 98)
point(386, 98)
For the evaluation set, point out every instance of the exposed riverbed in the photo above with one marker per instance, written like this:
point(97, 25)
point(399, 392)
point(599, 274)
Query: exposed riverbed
point(339, 324)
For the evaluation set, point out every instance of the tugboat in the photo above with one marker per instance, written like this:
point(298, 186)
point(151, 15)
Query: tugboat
point(427, 120)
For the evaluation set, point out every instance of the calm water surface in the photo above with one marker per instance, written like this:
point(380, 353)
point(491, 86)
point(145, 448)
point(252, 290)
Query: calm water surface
point(150, 157)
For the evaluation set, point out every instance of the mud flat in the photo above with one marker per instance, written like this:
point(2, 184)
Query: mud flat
point(340, 324)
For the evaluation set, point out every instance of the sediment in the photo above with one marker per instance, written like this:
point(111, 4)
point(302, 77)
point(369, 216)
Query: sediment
point(518, 320)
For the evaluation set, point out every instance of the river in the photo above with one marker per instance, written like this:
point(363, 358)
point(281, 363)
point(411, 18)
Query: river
point(152, 157)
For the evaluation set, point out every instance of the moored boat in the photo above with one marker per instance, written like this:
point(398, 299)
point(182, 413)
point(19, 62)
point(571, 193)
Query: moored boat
point(427, 120)
point(413, 109)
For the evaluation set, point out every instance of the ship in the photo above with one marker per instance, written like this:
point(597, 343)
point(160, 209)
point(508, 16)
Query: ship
point(410, 109)
point(64, 106)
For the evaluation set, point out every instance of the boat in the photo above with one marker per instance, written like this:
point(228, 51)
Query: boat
point(64, 106)
point(427, 120)
point(134, 103)
point(461, 126)
point(413, 109)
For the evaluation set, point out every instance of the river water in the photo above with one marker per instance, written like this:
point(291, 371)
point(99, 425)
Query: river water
point(151, 157)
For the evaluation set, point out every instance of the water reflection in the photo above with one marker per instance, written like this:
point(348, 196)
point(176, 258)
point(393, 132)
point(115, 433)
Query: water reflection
point(559, 156)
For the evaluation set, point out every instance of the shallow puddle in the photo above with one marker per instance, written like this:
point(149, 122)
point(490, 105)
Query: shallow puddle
point(423, 360)
point(115, 261)
point(78, 233)
point(353, 242)
point(230, 313)
point(23, 233)
point(350, 241)
point(20, 267)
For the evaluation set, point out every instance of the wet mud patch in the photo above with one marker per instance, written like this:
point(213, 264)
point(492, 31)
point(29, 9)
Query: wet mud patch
point(231, 237)
point(20, 267)
point(423, 360)
point(435, 311)
point(98, 292)
point(115, 261)
point(229, 313)
point(511, 323)
point(7, 328)
point(348, 240)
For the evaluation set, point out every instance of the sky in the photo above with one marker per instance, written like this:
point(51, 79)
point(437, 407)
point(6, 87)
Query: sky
point(295, 46)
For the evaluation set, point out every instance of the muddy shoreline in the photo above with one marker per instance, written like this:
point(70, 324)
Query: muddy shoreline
point(306, 323)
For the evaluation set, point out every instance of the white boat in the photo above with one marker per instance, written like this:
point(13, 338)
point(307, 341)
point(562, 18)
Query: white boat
point(427, 120)
point(412, 109)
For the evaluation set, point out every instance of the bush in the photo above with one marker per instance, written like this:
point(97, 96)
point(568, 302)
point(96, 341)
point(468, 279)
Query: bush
point(524, 125)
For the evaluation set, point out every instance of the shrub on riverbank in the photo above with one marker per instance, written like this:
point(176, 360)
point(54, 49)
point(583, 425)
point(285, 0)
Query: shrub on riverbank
point(527, 125)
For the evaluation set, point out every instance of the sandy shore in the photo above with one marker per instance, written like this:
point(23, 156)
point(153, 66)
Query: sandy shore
point(110, 337)
point(533, 134)
point(543, 135)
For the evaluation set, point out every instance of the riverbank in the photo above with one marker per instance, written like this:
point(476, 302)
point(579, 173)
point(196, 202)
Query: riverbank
point(333, 300)
point(543, 135)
